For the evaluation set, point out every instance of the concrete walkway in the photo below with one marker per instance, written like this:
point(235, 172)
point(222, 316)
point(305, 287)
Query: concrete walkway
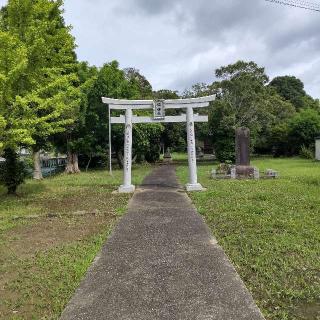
point(161, 262)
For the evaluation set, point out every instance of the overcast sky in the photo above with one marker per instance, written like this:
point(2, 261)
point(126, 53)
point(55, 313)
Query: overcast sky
point(176, 43)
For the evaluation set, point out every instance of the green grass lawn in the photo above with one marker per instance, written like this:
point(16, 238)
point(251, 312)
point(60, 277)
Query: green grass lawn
point(270, 229)
point(43, 259)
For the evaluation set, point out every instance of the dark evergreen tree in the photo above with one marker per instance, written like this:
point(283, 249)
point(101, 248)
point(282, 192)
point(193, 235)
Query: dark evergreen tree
point(12, 171)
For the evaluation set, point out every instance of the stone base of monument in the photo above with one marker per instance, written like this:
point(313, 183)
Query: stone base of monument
point(236, 172)
point(167, 159)
point(245, 171)
point(271, 174)
point(126, 189)
point(194, 187)
point(167, 156)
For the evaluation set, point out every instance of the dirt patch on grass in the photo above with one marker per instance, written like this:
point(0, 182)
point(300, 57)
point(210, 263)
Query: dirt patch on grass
point(25, 242)
point(49, 236)
point(94, 199)
point(43, 234)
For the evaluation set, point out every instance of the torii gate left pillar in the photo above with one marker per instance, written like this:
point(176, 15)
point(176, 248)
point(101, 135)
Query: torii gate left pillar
point(189, 118)
point(127, 186)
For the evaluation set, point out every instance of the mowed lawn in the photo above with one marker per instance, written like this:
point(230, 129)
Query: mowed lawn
point(270, 229)
point(49, 236)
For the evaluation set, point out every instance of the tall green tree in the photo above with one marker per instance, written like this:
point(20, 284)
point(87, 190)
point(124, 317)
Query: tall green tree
point(48, 87)
point(77, 138)
point(243, 101)
point(197, 90)
point(241, 87)
point(296, 133)
point(304, 127)
point(292, 89)
point(111, 81)
point(203, 131)
point(140, 81)
point(274, 112)
point(239, 93)
point(16, 122)
point(174, 134)
point(146, 143)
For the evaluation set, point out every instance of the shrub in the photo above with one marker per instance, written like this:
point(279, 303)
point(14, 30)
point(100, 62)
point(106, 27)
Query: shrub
point(225, 152)
point(303, 128)
point(12, 171)
point(224, 168)
point(307, 153)
point(153, 154)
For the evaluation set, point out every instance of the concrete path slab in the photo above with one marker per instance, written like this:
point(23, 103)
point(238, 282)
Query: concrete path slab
point(161, 262)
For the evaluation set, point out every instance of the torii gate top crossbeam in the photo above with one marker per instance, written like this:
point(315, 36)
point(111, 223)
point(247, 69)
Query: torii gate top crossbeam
point(121, 104)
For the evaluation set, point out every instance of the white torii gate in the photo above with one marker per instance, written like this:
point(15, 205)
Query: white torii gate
point(159, 107)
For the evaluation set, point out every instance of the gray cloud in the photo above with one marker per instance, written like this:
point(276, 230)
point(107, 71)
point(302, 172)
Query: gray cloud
point(284, 39)
point(178, 43)
point(152, 7)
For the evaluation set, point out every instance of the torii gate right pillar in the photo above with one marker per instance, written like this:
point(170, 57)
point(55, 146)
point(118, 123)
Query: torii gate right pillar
point(193, 184)
point(127, 186)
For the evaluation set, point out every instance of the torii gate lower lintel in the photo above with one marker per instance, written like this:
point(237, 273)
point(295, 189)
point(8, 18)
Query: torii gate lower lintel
point(159, 107)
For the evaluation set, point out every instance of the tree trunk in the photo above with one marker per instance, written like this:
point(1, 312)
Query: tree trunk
point(12, 175)
point(37, 173)
point(12, 190)
point(120, 159)
point(88, 164)
point(69, 165)
point(76, 163)
point(72, 163)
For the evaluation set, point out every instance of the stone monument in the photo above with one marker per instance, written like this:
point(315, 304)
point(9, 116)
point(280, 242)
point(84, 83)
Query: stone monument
point(200, 154)
point(167, 156)
point(243, 168)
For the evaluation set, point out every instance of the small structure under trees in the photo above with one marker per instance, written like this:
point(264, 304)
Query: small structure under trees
point(318, 148)
point(159, 107)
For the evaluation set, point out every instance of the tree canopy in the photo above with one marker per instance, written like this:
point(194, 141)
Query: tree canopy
point(244, 99)
point(39, 88)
